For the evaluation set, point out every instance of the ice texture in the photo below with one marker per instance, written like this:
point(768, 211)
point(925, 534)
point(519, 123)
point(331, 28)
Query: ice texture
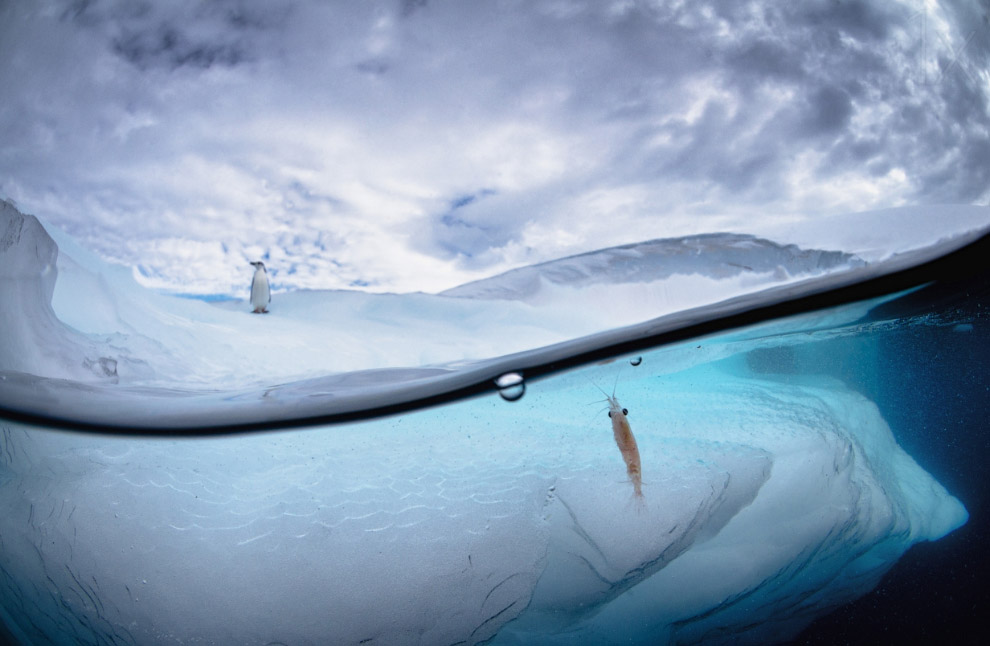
point(769, 498)
point(34, 340)
point(765, 504)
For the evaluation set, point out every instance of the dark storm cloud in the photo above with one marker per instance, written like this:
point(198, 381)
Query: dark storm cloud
point(167, 45)
point(827, 112)
point(409, 7)
point(861, 20)
point(959, 134)
point(765, 61)
point(179, 34)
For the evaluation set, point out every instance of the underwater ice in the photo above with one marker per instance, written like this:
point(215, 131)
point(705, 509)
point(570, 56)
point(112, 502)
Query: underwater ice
point(769, 498)
point(766, 504)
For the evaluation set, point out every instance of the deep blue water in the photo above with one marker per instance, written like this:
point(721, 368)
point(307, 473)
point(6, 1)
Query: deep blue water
point(930, 376)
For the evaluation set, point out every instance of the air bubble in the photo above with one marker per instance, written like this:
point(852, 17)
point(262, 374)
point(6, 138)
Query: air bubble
point(636, 361)
point(511, 386)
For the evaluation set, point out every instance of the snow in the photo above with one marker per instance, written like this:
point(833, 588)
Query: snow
point(716, 257)
point(96, 327)
point(768, 498)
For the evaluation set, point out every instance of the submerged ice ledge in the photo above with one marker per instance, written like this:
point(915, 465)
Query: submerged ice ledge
point(765, 505)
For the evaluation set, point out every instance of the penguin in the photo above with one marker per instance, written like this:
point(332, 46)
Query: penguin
point(261, 295)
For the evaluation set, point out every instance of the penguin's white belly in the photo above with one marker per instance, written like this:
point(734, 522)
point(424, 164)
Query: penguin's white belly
point(260, 295)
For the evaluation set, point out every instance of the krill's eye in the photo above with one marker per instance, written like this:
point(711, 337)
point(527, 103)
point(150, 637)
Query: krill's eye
point(625, 411)
point(610, 413)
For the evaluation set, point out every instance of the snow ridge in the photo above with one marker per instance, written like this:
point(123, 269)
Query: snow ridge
point(715, 255)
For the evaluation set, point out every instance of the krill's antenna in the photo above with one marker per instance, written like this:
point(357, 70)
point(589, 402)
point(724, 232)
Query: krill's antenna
point(616, 384)
point(601, 390)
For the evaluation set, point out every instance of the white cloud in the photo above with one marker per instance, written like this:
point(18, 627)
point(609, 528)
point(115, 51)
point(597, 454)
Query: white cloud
point(343, 139)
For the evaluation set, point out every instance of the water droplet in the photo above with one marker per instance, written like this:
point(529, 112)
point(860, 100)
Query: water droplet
point(636, 361)
point(511, 386)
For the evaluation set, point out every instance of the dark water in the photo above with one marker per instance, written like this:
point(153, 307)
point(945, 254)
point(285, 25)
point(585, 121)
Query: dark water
point(930, 376)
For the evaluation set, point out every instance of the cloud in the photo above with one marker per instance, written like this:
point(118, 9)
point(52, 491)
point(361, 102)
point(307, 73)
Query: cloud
point(416, 145)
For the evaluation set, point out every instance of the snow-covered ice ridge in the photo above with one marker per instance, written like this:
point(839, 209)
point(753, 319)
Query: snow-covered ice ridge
point(703, 258)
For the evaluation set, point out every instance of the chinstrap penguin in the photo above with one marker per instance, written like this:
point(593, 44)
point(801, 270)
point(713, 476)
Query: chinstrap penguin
point(261, 294)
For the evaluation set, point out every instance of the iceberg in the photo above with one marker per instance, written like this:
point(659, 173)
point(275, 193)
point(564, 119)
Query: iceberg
point(391, 496)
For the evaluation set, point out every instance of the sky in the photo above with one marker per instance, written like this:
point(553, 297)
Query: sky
point(414, 145)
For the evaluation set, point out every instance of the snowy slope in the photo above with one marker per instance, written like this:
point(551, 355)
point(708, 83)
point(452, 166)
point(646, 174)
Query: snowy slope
point(105, 326)
point(157, 339)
